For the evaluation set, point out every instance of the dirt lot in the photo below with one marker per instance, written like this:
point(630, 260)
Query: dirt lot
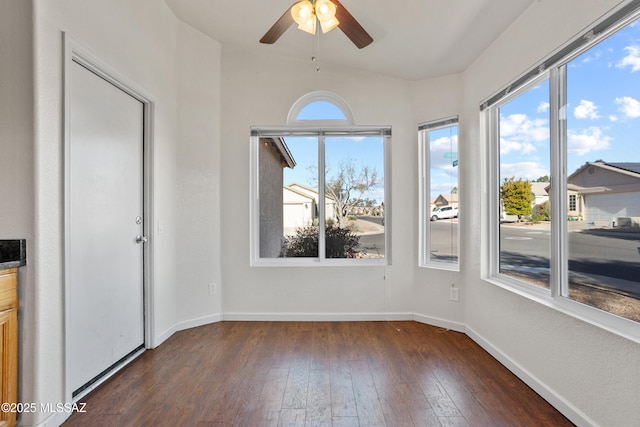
point(595, 296)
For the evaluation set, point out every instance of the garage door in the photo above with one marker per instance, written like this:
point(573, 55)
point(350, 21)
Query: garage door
point(604, 207)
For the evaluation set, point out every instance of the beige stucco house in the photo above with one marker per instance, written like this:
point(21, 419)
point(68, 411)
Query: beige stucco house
point(445, 200)
point(273, 157)
point(301, 206)
point(602, 193)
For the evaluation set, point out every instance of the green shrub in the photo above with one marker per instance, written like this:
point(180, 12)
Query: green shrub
point(339, 242)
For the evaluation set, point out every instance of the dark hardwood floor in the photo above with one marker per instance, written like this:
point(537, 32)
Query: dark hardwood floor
point(316, 374)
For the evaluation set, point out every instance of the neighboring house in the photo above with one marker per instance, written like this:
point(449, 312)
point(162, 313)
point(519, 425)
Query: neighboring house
point(274, 156)
point(540, 192)
point(299, 209)
point(330, 205)
point(445, 200)
point(366, 210)
point(601, 192)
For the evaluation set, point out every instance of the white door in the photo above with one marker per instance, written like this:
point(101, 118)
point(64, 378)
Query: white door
point(105, 214)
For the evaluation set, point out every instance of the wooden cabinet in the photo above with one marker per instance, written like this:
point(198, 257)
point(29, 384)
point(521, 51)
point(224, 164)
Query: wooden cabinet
point(8, 343)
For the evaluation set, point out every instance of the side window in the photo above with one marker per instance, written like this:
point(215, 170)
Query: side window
point(524, 186)
point(439, 194)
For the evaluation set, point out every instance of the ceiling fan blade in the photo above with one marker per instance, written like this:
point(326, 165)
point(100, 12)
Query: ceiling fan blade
point(278, 28)
point(351, 28)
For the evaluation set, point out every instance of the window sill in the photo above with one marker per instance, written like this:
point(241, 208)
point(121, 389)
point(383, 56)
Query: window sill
point(609, 322)
point(441, 266)
point(315, 262)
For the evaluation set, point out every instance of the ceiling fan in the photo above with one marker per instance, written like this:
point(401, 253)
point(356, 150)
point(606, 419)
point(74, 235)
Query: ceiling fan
point(330, 14)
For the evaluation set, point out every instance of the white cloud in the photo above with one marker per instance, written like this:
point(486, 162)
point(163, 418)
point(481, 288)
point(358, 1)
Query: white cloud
point(524, 170)
point(520, 134)
point(443, 152)
point(613, 118)
point(597, 55)
point(444, 144)
point(629, 106)
point(508, 146)
point(586, 110)
point(521, 127)
point(543, 107)
point(586, 141)
point(632, 59)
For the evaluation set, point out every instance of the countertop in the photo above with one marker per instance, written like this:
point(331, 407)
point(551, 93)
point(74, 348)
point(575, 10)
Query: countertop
point(13, 253)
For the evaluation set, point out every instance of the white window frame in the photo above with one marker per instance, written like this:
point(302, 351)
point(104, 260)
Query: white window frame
point(321, 260)
point(320, 95)
point(318, 128)
point(424, 188)
point(553, 67)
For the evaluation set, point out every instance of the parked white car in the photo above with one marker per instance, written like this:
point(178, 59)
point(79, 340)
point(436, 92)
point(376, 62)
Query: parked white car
point(444, 212)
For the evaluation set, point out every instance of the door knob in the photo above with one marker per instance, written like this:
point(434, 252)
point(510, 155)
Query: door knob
point(141, 239)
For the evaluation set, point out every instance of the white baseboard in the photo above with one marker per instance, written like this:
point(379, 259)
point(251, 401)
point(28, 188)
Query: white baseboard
point(200, 321)
point(575, 415)
point(164, 336)
point(317, 317)
point(442, 323)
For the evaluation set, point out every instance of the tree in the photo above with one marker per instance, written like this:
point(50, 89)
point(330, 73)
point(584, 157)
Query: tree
point(543, 179)
point(368, 203)
point(542, 213)
point(517, 197)
point(349, 185)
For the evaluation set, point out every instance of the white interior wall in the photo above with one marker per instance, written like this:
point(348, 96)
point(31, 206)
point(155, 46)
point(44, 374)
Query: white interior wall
point(144, 43)
point(594, 373)
point(259, 91)
point(16, 170)
point(435, 99)
point(198, 179)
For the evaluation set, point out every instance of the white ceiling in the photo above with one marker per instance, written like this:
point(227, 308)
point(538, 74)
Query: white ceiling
point(412, 39)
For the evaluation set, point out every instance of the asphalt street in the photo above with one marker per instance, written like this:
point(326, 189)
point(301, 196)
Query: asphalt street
point(592, 251)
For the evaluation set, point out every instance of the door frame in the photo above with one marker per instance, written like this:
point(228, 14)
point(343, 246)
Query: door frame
point(74, 52)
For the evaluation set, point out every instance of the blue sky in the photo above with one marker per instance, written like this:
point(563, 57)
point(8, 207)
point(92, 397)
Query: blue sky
point(443, 145)
point(603, 112)
point(360, 151)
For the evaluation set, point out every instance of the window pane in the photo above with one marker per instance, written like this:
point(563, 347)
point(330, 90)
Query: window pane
point(524, 186)
point(443, 200)
point(288, 197)
point(354, 201)
point(603, 167)
point(321, 110)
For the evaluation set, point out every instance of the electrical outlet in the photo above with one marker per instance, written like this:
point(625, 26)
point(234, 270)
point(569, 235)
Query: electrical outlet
point(454, 294)
point(213, 289)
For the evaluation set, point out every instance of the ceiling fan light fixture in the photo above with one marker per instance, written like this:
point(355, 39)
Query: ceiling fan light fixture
point(309, 25)
point(306, 13)
point(326, 13)
point(329, 25)
point(302, 12)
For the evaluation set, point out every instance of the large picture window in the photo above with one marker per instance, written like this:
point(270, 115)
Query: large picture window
point(439, 194)
point(320, 196)
point(566, 176)
point(525, 250)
